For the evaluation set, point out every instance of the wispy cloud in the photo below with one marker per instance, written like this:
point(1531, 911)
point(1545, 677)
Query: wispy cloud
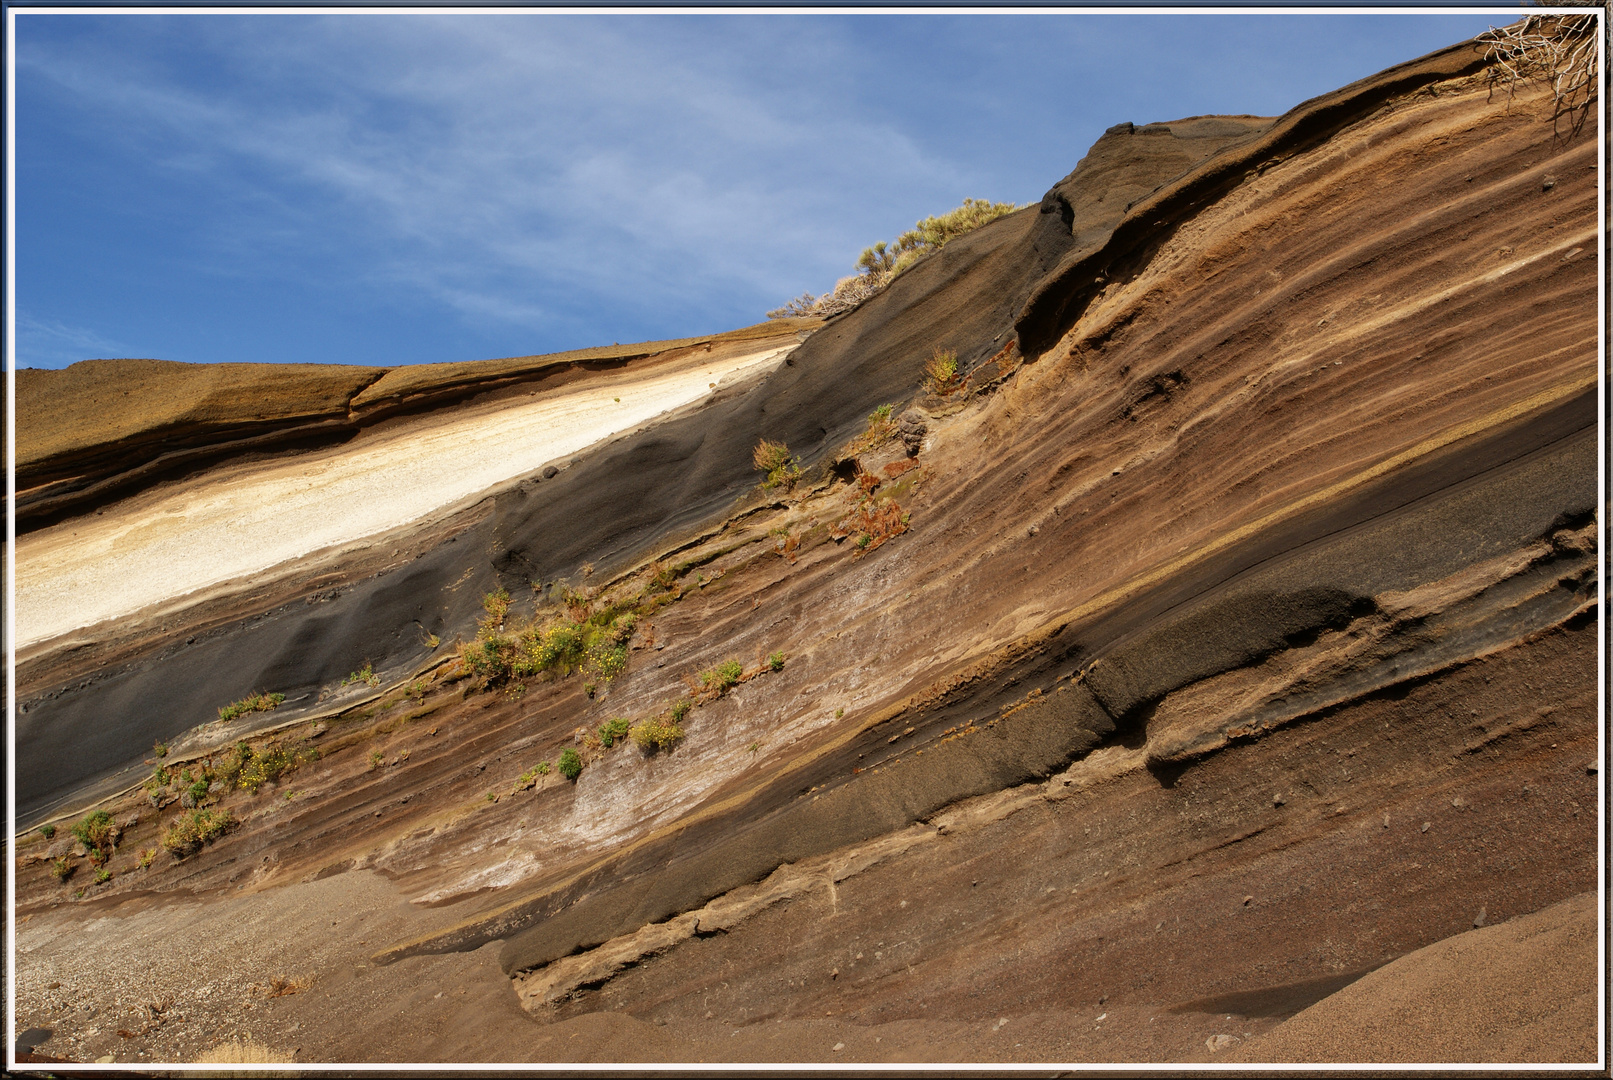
point(559, 176)
point(52, 344)
point(576, 155)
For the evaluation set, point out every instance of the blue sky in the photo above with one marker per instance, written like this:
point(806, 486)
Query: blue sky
point(392, 189)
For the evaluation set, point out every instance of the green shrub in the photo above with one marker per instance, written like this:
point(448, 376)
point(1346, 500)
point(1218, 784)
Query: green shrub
point(62, 868)
point(570, 764)
point(160, 749)
point(102, 876)
point(47, 831)
point(254, 703)
point(543, 768)
point(656, 734)
point(723, 676)
point(376, 757)
point(97, 833)
point(680, 709)
point(775, 661)
point(188, 832)
point(612, 730)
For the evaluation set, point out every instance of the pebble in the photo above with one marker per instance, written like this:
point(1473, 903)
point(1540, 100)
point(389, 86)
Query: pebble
point(1221, 1042)
point(839, 1047)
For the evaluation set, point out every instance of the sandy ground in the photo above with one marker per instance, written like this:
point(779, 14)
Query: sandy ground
point(1522, 991)
point(156, 548)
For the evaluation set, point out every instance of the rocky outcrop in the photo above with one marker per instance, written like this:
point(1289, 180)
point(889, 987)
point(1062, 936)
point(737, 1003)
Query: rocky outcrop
point(1227, 633)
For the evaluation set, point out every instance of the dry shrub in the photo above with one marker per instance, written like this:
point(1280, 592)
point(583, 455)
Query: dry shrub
point(774, 459)
point(941, 373)
point(280, 986)
point(1558, 49)
point(879, 265)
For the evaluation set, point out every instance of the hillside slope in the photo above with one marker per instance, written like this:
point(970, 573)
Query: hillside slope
point(1228, 633)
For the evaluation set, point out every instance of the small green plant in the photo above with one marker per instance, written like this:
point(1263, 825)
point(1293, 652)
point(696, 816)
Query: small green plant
point(365, 675)
point(941, 372)
point(723, 676)
point(773, 458)
point(102, 876)
point(680, 709)
point(147, 857)
point(416, 691)
point(775, 661)
point(198, 790)
point(613, 730)
point(863, 541)
point(543, 768)
point(188, 832)
point(490, 797)
point(254, 703)
point(880, 427)
point(839, 713)
point(656, 734)
point(376, 757)
point(160, 749)
point(47, 831)
point(62, 868)
point(570, 764)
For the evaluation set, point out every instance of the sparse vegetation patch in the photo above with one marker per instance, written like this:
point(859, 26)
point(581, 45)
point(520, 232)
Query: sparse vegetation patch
point(254, 703)
point(774, 459)
point(879, 265)
point(188, 832)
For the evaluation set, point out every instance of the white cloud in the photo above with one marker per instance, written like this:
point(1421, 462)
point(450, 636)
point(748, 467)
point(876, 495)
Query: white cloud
point(491, 160)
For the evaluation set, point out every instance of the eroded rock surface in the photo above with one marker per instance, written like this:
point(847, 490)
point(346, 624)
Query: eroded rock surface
point(1223, 644)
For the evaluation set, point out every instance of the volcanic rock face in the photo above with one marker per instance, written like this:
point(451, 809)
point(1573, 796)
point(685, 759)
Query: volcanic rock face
point(1227, 635)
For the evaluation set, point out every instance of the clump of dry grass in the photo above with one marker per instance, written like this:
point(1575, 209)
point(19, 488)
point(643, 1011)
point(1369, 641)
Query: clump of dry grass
point(774, 459)
point(941, 373)
point(879, 265)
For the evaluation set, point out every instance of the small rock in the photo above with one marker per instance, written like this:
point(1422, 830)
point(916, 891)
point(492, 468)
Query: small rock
point(1277, 800)
point(912, 428)
point(839, 1047)
point(105, 1059)
point(1221, 1042)
point(1591, 768)
point(1247, 900)
point(1426, 824)
point(1386, 821)
point(1548, 183)
point(1478, 920)
point(549, 472)
point(709, 1014)
point(835, 974)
